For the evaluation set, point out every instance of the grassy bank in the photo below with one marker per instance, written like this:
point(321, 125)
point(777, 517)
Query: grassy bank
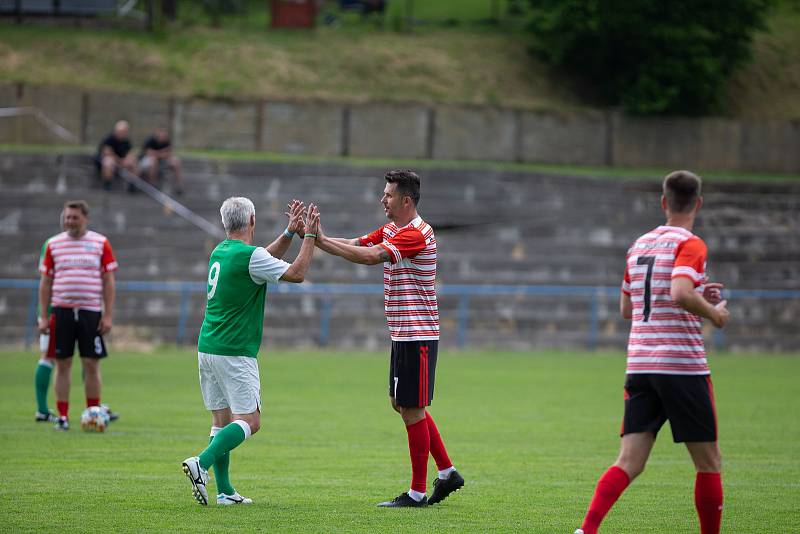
point(463, 59)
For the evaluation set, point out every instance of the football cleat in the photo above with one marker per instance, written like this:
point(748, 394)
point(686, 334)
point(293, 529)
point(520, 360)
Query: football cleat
point(404, 500)
point(48, 417)
point(228, 500)
point(62, 423)
point(444, 487)
point(579, 531)
point(198, 477)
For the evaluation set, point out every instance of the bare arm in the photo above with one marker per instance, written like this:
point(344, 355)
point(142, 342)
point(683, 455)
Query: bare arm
point(45, 293)
point(353, 253)
point(109, 293)
point(625, 305)
point(296, 272)
point(281, 244)
point(683, 294)
point(279, 247)
point(343, 240)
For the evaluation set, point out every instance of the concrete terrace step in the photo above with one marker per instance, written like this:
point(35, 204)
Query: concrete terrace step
point(492, 227)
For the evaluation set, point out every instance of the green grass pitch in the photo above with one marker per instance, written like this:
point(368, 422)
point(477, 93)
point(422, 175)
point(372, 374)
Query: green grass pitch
point(531, 433)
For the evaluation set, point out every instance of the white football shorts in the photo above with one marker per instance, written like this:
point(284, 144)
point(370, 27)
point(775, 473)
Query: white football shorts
point(230, 382)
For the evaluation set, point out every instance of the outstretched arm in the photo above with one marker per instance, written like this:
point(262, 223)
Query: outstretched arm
point(281, 244)
point(344, 241)
point(345, 248)
point(297, 270)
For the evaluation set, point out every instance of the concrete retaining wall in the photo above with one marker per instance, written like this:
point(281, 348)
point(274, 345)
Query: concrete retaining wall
point(389, 130)
point(565, 138)
point(408, 130)
point(475, 133)
point(314, 128)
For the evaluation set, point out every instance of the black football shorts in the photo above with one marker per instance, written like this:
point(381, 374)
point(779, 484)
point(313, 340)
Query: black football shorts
point(412, 372)
point(71, 325)
point(687, 401)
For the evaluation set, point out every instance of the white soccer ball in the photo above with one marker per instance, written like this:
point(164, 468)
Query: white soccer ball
point(94, 419)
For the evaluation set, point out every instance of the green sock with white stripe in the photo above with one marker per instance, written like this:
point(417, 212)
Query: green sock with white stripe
point(225, 441)
point(221, 476)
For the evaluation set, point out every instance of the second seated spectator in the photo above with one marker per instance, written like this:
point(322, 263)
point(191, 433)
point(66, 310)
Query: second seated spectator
point(157, 158)
point(114, 153)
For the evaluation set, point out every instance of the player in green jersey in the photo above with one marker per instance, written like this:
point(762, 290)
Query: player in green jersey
point(238, 273)
point(44, 368)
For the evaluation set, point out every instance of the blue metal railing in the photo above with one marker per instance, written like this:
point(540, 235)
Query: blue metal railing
point(463, 292)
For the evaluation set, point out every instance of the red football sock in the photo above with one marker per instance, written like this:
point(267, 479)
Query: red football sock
point(609, 488)
point(708, 501)
point(92, 402)
point(419, 447)
point(63, 408)
point(438, 451)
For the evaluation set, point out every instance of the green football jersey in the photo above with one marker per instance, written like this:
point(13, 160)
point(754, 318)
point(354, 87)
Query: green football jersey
point(237, 286)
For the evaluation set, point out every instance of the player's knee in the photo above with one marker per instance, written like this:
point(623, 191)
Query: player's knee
point(710, 463)
point(412, 416)
point(255, 424)
point(632, 466)
point(90, 365)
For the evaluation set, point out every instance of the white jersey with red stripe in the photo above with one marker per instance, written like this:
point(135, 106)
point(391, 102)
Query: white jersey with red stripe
point(665, 338)
point(409, 279)
point(77, 266)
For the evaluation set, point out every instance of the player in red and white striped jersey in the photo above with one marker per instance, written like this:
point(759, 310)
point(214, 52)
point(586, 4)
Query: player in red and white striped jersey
point(407, 248)
point(77, 279)
point(666, 294)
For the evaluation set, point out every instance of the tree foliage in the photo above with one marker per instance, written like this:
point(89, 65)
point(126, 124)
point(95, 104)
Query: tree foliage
point(650, 56)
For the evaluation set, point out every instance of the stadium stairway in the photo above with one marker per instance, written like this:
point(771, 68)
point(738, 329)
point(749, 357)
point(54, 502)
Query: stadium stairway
point(493, 227)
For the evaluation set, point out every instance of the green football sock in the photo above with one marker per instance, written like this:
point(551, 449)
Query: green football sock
point(42, 383)
point(226, 440)
point(221, 476)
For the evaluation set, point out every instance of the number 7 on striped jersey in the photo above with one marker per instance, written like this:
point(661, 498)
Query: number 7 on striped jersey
point(650, 261)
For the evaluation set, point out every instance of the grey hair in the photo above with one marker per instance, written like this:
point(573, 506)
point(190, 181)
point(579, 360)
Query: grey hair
point(236, 212)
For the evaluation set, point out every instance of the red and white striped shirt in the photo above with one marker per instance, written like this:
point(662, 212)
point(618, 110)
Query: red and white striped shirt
point(76, 266)
point(409, 279)
point(665, 338)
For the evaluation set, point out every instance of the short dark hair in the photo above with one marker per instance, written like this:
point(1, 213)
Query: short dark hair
point(407, 183)
point(682, 189)
point(77, 205)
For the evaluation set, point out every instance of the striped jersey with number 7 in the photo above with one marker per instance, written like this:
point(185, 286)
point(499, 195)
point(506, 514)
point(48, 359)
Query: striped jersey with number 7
point(664, 337)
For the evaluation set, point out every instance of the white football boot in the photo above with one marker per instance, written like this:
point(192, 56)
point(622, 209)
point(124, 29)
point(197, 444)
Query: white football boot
point(579, 531)
point(228, 500)
point(198, 477)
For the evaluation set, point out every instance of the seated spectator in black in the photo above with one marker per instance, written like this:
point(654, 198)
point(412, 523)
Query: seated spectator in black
point(114, 153)
point(157, 158)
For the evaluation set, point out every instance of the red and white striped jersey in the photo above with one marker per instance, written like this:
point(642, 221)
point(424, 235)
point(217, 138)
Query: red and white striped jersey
point(76, 266)
point(665, 338)
point(409, 279)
